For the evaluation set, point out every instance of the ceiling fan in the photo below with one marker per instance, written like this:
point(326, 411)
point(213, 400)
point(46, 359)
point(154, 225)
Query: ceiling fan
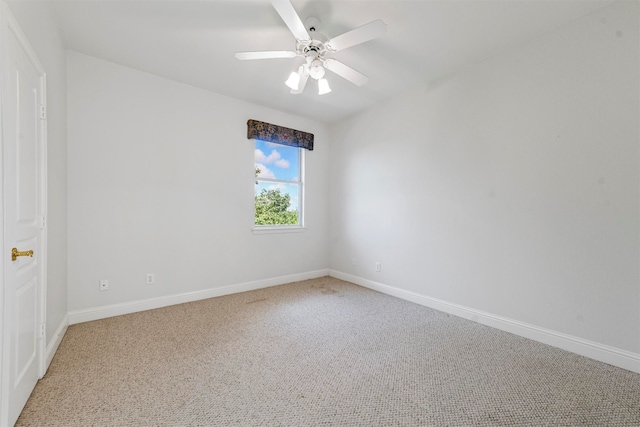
point(315, 48)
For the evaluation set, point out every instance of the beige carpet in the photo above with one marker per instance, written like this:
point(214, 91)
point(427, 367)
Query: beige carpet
point(321, 352)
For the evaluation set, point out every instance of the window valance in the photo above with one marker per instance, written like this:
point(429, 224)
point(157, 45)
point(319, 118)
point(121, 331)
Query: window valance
point(279, 134)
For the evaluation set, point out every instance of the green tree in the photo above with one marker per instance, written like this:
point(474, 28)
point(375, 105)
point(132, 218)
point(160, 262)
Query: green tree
point(272, 208)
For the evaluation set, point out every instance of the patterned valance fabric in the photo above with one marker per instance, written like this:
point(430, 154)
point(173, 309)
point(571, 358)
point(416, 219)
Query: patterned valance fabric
point(279, 134)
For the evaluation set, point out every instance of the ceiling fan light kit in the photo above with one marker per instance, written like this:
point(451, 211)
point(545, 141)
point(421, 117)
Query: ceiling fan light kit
point(315, 49)
point(293, 81)
point(296, 81)
point(316, 69)
point(323, 87)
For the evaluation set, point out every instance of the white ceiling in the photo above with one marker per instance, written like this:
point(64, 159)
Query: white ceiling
point(194, 42)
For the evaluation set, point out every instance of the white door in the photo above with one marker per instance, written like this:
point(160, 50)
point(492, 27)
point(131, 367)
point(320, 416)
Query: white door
point(23, 168)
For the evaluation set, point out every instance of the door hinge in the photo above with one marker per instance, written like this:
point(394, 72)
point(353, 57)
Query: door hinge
point(43, 222)
point(43, 112)
point(43, 330)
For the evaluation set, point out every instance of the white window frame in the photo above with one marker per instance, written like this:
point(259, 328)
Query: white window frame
point(284, 228)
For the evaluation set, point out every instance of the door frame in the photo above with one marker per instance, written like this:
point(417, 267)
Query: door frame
point(9, 25)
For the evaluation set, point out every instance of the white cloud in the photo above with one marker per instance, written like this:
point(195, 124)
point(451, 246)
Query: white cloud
point(273, 158)
point(265, 172)
point(282, 163)
point(264, 159)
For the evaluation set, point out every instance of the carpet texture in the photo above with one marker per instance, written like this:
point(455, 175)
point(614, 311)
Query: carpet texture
point(321, 352)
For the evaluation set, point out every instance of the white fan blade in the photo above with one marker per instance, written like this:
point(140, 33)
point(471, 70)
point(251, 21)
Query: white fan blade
point(359, 35)
point(267, 54)
point(303, 81)
point(290, 17)
point(345, 72)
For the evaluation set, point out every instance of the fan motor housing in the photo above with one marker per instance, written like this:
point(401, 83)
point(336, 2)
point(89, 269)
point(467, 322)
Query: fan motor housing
point(312, 49)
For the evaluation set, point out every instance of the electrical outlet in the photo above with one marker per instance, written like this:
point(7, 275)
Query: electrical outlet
point(151, 278)
point(378, 267)
point(104, 285)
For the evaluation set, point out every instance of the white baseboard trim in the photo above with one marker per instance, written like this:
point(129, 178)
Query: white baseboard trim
point(96, 313)
point(601, 352)
point(54, 343)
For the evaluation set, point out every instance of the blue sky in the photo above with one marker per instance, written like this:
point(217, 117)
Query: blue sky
point(277, 161)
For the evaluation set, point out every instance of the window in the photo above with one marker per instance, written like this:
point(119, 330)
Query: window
point(279, 175)
point(278, 185)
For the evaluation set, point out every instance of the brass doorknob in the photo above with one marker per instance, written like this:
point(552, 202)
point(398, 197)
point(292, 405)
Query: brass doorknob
point(15, 253)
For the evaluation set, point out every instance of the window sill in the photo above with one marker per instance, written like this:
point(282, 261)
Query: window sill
point(278, 230)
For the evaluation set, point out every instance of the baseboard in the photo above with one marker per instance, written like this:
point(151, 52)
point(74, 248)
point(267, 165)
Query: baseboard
point(96, 313)
point(55, 341)
point(601, 352)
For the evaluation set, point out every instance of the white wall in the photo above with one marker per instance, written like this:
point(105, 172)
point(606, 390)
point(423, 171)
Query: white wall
point(511, 187)
point(161, 180)
point(40, 27)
